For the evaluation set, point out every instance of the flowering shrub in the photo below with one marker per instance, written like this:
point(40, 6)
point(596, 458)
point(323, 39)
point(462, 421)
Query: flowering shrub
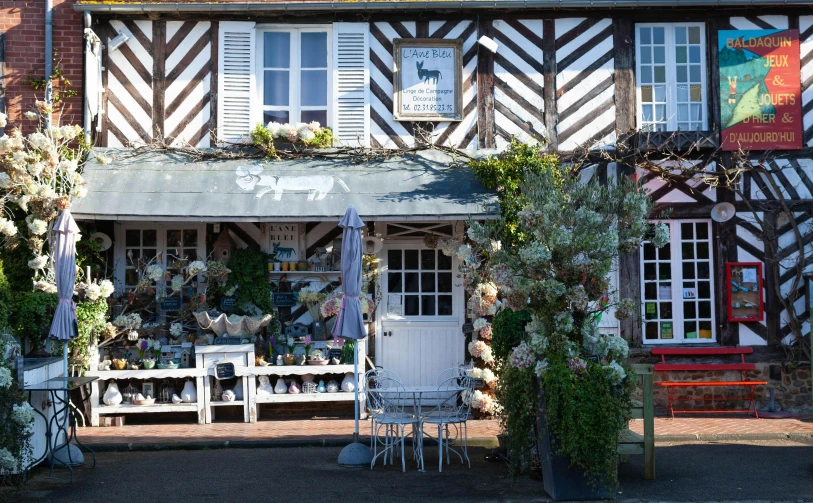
point(310, 134)
point(333, 303)
point(557, 240)
point(16, 421)
point(481, 350)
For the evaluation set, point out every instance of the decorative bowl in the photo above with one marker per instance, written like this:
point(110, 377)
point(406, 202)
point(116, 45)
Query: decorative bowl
point(148, 364)
point(318, 362)
point(166, 366)
point(147, 401)
point(119, 364)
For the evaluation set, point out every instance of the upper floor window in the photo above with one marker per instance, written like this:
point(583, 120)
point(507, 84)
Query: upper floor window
point(294, 66)
point(671, 77)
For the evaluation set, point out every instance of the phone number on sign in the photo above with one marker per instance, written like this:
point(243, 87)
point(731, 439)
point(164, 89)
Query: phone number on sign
point(430, 107)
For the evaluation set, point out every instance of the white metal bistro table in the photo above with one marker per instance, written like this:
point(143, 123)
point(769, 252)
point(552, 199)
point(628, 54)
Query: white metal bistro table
point(420, 394)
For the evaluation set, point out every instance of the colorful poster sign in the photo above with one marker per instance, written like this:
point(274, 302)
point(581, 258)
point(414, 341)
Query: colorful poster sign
point(760, 90)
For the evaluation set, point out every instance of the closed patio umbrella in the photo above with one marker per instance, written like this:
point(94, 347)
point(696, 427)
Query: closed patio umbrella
point(350, 323)
point(64, 326)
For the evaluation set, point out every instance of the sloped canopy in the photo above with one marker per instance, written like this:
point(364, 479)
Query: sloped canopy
point(429, 185)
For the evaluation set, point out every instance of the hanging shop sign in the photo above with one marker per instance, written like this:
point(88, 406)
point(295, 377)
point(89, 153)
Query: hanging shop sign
point(427, 81)
point(760, 90)
point(170, 303)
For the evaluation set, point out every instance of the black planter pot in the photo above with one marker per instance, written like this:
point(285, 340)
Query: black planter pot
point(561, 481)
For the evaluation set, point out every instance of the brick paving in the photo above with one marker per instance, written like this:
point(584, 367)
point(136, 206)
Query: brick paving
point(320, 430)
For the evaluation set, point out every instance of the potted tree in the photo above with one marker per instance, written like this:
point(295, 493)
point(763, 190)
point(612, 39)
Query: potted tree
point(551, 254)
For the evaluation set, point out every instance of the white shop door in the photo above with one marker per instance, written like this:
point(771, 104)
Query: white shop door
point(421, 314)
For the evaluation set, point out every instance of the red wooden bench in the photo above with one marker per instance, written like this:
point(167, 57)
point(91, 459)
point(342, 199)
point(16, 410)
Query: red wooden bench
point(691, 367)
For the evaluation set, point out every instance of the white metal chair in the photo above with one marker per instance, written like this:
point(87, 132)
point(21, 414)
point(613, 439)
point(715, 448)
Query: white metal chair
point(452, 409)
point(385, 398)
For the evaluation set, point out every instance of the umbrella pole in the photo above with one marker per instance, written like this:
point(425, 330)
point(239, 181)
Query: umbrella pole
point(356, 387)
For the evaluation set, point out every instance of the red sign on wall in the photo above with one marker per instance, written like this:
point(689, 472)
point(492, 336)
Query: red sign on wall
point(760, 90)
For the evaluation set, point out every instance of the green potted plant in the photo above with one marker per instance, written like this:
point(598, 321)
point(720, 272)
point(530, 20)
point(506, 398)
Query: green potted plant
point(551, 254)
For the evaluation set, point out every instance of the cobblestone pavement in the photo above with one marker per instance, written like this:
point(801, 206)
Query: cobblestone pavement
point(331, 431)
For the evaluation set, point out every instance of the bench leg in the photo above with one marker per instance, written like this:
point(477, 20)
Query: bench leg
point(670, 393)
point(754, 401)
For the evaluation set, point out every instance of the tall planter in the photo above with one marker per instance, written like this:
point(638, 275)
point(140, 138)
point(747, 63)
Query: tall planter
point(562, 481)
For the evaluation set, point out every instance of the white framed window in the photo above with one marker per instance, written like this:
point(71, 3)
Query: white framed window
point(418, 284)
point(677, 286)
point(139, 242)
point(671, 76)
point(294, 74)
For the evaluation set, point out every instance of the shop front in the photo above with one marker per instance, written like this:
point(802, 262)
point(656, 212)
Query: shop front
point(168, 212)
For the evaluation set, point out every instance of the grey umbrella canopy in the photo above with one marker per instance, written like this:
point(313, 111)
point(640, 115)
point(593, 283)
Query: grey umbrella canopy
point(64, 326)
point(350, 321)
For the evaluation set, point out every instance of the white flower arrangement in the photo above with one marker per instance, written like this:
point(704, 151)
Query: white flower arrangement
point(37, 227)
point(485, 374)
point(483, 402)
point(196, 267)
point(5, 377)
point(23, 414)
point(176, 330)
point(7, 460)
point(106, 288)
point(3, 120)
point(128, 321)
point(154, 272)
point(7, 227)
point(177, 282)
point(480, 349)
point(45, 286)
point(38, 262)
point(93, 292)
point(480, 323)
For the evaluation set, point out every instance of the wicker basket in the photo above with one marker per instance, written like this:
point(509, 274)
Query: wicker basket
point(308, 387)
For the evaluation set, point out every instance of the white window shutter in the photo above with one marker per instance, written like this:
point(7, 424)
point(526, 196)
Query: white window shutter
point(351, 84)
point(235, 80)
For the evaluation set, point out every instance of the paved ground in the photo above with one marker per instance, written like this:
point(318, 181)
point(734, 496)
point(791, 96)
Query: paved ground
point(332, 432)
point(777, 471)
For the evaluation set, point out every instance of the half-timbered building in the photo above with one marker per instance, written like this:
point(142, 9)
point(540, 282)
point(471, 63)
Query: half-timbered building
point(595, 76)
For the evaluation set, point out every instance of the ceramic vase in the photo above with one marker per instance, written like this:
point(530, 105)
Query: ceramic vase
point(300, 359)
point(348, 383)
point(289, 359)
point(321, 388)
point(238, 390)
point(112, 396)
point(332, 386)
point(176, 399)
point(280, 388)
point(189, 394)
point(264, 388)
point(228, 396)
point(294, 388)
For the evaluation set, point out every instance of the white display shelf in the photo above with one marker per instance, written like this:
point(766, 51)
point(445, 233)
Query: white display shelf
point(130, 408)
point(105, 375)
point(295, 370)
point(221, 403)
point(305, 273)
point(309, 397)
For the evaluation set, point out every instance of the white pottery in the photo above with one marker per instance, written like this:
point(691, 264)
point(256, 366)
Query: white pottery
point(112, 396)
point(348, 383)
point(238, 390)
point(280, 388)
point(280, 360)
point(332, 386)
point(176, 399)
point(189, 394)
point(294, 388)
point(228, 396)
point(264, 388)
point(140, 397)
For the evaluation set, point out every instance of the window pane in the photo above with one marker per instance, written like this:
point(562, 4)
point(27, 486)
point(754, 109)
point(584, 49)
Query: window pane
point(411, 282)
point(394, 280)
point(428, 305)
point(650, 311)
point(646, 94)
point(444, 282)
point(314, 88)
point(646, 56)
point(281, 116)
point(680, 35)
point(658, 35)
point(444, 262)
point(704, 290)
point(130, 277)
point(148, 254)
point(190, 254)
point(427, 282)
point(695, 92)
point(394, 259)
point(664, 271)
point(694, 34)
point(319, 116)
point(705, 330)
point(133, 256)
point(690, 329)
point(666, 310)
point(705, 309)
point(314, 50)
point(277, 50)
point(651, 291)
point(681, 74)
point(410, 259)
point(276, 88)
point(649, 272)
point(683, 112)
point(694, 54)
point(660, 113)
point(427, 259)
point(149, 237)
point(646, 75)
point(646, 35)
point(652, 330)
point(445, 305)
point(647, 113)
point(411, 305)
point(702, 250)
point(190, 237)
point(688, 270)
point(132, 237)
point(649, 251)
point(703, 270)
point(690, 310)
point(683, 93)
point(687, 231)
point(660, 55)
point(688, 251)
point(173, 239)
point(702, 230)
point(694, 73)
point(660, 74)
point(660, 94)
point(665, 252)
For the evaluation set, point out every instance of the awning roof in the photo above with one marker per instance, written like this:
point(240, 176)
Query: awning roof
point(159, 186)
